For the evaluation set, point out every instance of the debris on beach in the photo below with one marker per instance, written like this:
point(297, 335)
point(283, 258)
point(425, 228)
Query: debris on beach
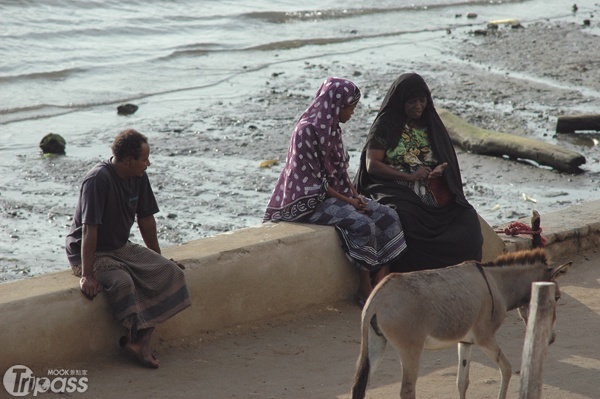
point(268, 163)
point(513, 23)
point(127, 109)
point(573, 123)
point(53, 143)
point(528, 198)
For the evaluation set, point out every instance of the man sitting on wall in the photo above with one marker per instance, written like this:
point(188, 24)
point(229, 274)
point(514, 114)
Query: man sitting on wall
point(143, 287)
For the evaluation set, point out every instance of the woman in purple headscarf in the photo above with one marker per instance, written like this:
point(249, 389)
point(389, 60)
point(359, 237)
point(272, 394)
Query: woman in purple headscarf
point(409, 163)
point(314, 187)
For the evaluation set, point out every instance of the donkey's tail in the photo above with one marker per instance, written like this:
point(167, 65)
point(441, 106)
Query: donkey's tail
point(361, 379)
point(363, 365)
point(372, 345)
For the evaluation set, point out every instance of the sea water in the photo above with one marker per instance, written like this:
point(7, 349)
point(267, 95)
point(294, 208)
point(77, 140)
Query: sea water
point(65, 65)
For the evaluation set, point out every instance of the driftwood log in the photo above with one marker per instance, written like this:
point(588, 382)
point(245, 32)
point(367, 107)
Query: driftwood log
point(570, 124)
point(489, 142)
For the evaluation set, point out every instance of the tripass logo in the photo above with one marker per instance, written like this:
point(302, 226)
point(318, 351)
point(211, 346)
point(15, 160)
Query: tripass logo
point(20, 381)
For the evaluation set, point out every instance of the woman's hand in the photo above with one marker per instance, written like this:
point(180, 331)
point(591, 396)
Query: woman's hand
point(422, 173)
point(360, 204)
point(437, 172)
point(358, 201)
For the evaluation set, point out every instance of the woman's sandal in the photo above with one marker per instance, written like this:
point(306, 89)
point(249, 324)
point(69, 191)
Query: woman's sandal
point(360, 302)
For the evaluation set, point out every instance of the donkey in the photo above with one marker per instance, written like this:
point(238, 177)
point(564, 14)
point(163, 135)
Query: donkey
point(435, 309)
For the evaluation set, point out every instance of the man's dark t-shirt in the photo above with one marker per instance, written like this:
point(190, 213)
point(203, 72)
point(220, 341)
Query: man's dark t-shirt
point(112, 203)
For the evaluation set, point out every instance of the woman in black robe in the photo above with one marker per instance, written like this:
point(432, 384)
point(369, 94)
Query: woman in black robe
point(409, 163)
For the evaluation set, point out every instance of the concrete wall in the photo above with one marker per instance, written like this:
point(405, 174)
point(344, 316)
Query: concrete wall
point(571, 230)
point(246, 275)
point(233, 278)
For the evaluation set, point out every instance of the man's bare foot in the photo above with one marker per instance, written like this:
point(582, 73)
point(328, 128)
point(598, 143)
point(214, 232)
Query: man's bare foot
point(142, 354)
point(124, 341)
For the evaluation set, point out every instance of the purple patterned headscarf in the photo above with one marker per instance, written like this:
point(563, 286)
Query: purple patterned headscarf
point(316, 158)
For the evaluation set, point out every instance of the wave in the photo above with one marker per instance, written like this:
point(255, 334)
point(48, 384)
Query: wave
point(318, 41)
point(270, 46)
point(38, 111)
point(186, 53)
point(282, 17)
point(112, 30)
point(43, 111)
point(78, 4)
point(298, 43)
point(51, 75)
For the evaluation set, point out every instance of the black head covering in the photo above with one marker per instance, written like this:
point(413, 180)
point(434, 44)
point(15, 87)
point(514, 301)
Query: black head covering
point(435, 236)
point(390, 121)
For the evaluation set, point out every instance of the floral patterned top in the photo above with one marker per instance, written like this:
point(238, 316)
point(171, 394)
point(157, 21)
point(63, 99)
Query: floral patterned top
point(412, 152)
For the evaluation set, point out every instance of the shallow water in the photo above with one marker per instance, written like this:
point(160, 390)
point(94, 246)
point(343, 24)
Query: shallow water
point(200, 72)
point(69, 56)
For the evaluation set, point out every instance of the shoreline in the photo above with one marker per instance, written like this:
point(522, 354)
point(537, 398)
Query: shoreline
point(205, 169)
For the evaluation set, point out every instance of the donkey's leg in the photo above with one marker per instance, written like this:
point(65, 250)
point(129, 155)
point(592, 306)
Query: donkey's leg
point(464, 363)
point(491, 348)
point(410, 356)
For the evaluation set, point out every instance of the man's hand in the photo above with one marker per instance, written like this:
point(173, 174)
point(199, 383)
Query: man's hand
point(89, 287)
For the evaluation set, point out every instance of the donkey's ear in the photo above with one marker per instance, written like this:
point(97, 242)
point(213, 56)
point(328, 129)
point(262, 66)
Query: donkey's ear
point(558, 270)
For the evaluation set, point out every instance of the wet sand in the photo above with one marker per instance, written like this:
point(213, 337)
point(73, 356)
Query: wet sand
point(206, 171)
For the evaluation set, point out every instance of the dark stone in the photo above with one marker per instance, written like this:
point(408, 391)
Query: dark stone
point(127, 109)
point(53, 144)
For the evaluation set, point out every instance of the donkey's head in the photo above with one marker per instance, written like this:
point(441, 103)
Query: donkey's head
point(552, 274)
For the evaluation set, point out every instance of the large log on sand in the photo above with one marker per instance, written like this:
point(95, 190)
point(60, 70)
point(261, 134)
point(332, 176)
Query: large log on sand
point(489, 142)
point(570, 124)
